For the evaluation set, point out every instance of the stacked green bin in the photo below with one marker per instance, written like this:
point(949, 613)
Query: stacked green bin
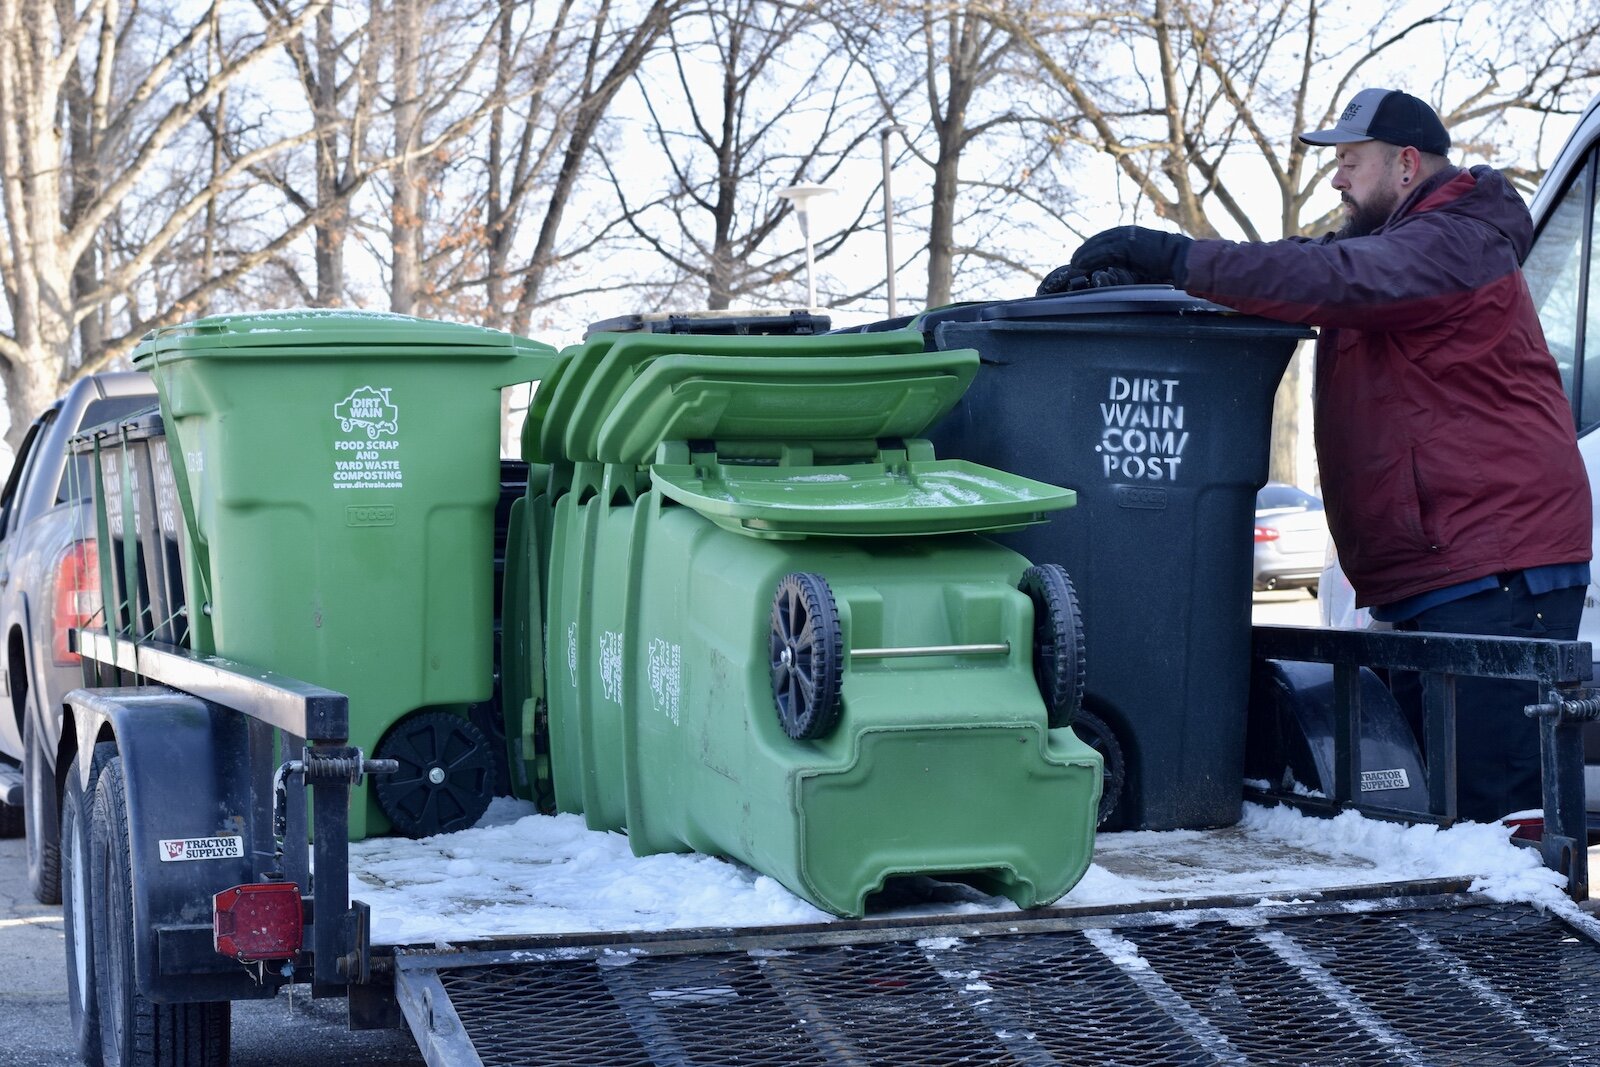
point(339, 474)
point(772, 634)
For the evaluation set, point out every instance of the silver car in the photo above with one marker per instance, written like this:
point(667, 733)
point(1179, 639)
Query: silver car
point(1291, 538)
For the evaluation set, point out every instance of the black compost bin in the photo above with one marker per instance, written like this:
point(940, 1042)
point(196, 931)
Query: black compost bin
point(1157, 408)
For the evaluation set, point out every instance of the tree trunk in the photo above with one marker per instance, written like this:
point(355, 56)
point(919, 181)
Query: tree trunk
point(405, 212)
point(330, 231)
point(941, 228)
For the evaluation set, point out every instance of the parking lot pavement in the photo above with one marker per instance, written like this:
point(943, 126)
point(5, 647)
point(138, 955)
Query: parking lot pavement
point(1288, 607)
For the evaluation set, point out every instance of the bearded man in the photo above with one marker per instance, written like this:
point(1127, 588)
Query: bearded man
point(1455, 492)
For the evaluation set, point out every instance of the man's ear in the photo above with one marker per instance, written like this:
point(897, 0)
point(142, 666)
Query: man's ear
point(1410, 165)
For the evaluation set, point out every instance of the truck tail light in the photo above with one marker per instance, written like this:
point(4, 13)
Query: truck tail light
point(1266, 533)
point(77, 599)
point(258, 921)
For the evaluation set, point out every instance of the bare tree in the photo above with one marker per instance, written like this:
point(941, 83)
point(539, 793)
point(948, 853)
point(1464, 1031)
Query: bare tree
point(948, 70)
point(750, 96)
point(116, 72)
point(556, 73)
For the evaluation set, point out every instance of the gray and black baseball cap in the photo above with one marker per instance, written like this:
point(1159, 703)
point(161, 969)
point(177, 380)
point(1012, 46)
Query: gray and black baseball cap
point(1386, 115)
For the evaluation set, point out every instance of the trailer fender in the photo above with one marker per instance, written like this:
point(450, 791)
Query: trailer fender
point(193, 828)
point(1289, 739)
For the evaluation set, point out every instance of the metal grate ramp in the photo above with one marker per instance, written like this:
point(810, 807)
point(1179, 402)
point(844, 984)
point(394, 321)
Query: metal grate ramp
point(1464, 983)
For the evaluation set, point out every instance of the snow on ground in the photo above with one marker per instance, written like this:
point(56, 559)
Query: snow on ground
point(521, 873)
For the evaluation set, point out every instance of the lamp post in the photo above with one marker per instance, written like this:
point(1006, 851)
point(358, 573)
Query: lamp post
point(801, 196)
point(888, 212)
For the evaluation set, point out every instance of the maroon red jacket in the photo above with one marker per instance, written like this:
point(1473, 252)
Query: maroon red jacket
point(1444, 439)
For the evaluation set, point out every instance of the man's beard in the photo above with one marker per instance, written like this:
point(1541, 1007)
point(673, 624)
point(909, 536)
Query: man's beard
point(1369, 216)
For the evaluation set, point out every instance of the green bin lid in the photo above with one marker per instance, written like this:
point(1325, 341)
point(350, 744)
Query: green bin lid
point(600, 369)
point(898, 499)
point(326, 331)
point(820, 398)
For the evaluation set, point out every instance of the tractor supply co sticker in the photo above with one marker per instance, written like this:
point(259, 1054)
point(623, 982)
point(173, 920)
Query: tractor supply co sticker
point(369, 457)
point(666, 675)
point(611, 665)
point(1372, 781)
point(1143, 438)
point(177, 849)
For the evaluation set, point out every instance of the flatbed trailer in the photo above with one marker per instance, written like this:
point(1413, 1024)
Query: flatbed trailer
point(1419, 971)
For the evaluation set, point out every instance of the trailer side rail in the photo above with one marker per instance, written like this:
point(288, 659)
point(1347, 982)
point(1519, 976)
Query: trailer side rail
point(1560, 669)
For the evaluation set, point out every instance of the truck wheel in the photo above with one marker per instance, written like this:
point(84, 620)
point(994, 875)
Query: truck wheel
point(446, 775)
point(82, 1011)
point(1057, 640)
point(807, 656)
point(1095, 732)
point(134, 1031)
point(44, 823)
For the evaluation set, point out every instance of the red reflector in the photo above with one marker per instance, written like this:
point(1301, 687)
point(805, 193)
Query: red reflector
point(77, 599)
point(1266, 533)
point(260, 921)
point(1531, 829)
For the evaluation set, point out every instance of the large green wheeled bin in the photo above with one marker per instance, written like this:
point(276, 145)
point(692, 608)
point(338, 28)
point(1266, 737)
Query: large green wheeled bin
point(774, 634)
point(339, 473)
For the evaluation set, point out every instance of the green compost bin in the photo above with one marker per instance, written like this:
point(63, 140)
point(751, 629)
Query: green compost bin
point(775, 633)
point(340, 472)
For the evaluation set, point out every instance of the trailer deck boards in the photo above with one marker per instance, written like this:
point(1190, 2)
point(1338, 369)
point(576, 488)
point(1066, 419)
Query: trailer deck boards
point(1455, 980)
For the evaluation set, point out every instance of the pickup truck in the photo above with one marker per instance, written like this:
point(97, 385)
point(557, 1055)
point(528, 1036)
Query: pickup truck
point(43, 557)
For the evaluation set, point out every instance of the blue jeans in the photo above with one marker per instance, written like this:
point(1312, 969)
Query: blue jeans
point(1497, 746)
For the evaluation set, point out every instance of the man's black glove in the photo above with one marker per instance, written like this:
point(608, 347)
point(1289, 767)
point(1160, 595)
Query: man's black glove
point(1154, 255)
point(1070, 279)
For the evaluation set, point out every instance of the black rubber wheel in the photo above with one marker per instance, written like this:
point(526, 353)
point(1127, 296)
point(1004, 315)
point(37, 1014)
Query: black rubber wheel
point(807, 656)
point(134, 1031)
point(44, 822)
point(446, 775)
point(83, 1011)
point(1093, 731)
point(1057, 640)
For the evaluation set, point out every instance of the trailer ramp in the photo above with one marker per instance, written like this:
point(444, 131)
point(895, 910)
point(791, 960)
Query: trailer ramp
point(1445, 980)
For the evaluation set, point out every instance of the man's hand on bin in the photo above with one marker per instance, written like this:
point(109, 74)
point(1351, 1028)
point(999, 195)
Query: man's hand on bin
point(1070, 279)
point(1154, 256)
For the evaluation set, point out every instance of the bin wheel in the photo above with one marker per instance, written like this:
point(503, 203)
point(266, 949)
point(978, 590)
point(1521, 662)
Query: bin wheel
point(446, 775)
point(807, 656)
point(1057, 640)
point(1095, 732)
point(131, 1025)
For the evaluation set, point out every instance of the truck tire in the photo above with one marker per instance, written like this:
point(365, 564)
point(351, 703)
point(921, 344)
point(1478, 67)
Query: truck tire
point(134, 1031)
point(77, 808)
point(83, 1015)
point(44, 822)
